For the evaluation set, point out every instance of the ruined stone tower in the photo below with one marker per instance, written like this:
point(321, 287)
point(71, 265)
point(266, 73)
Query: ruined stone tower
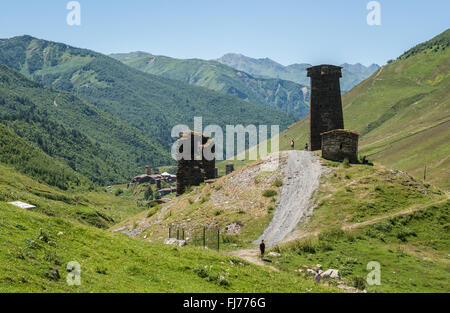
point(325, 102)
point(196, 167)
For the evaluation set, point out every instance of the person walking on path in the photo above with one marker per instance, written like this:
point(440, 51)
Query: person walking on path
point(262, 248)
point(292, 143)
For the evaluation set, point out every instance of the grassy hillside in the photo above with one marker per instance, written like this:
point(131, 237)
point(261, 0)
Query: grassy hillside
point(151, 103)
point(31, 161)
point(246, 197)
point(402, 113)
point(91, 142)
point(37, 246)
point(366, 214)
point(284, 95)
point(362, 213)
point(96, 207)
point(352, 74)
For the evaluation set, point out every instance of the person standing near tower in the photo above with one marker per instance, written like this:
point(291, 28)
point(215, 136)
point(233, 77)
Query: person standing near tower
point(262, 248)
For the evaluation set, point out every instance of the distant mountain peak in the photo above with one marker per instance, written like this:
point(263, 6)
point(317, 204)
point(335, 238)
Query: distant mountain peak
point(130, 55)
point(268, 68)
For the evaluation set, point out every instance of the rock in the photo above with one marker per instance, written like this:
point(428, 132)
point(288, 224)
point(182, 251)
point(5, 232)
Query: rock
point(274, 254)
point(311, 272)
point(318, 266)
point(175, 242)
point(234, 228)
point(331, 274)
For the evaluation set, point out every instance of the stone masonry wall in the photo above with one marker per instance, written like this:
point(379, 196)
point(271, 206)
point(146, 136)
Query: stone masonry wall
point(340, 144)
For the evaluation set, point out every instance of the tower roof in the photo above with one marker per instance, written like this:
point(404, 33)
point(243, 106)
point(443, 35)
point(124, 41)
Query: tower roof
point(324, 70)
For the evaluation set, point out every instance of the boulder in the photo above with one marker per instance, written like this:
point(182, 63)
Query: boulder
point(175, 242)
point(274, 254)
point(331, 274)
point(234, 228)
point(311, 272)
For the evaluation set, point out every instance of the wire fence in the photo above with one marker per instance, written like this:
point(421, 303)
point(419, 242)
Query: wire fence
point(201, 237)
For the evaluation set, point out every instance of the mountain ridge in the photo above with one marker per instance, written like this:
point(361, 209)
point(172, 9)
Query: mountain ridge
point(281, 94)
point(352, 74)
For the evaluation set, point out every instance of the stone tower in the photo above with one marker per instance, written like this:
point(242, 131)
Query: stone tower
point(198, 167)
point(325, 102)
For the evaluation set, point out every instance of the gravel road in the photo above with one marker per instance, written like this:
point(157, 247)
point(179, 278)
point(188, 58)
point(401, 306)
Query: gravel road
point(302, 173)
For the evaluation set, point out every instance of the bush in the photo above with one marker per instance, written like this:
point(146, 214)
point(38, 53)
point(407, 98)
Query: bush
point(153, 211)
point(148, 194)
point(359, 283)
point(383, 227)
point(230, 239)
point(305, 246)
point(404, 233)
point(205, 198)
point(118, 192)
point(269, 193)
point(346, 163)
point(101, 270)
point(277, 183)
point(332, 235)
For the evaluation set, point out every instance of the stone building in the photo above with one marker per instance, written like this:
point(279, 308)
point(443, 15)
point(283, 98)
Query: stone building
point(325, 102)
point(144, 178)
point(197, 165)
point(339, 144)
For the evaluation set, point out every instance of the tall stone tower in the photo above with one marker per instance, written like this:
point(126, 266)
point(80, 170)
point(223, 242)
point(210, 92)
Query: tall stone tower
point(325, 102)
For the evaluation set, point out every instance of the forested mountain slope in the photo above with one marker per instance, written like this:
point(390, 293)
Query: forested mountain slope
point(90, 141)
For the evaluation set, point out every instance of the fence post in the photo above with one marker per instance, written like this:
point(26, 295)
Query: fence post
point(178, 234)
point(170, 232)
point(183, 233)
point(218, 239)
point(204, 237)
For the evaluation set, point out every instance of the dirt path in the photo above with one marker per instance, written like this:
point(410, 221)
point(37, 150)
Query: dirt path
point(252, 256)
point(301, 179)
point(414, 208)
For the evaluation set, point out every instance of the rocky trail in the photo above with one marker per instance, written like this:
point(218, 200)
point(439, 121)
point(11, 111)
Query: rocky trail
point(302, 173)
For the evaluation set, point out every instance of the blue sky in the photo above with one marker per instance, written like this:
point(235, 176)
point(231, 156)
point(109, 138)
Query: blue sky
point(291, 31)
